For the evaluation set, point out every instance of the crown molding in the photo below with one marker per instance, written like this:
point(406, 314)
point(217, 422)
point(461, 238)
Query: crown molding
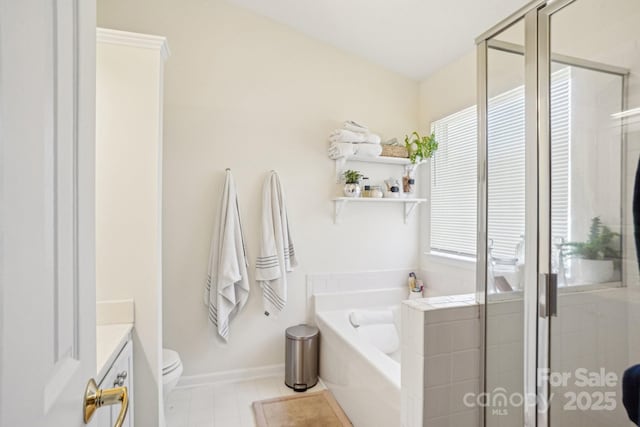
point(125, 38)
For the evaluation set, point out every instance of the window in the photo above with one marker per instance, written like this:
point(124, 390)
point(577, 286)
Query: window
point(454, 172)
point(454, 184)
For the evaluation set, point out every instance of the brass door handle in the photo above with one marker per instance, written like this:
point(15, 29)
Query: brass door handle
point(95, 398)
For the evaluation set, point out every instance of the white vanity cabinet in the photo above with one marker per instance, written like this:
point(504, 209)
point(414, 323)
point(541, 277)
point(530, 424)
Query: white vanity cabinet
point(120, 374)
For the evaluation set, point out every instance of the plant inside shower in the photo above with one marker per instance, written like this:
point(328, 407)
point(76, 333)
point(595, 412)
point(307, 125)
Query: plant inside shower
point(597, 259)
point(601, 244)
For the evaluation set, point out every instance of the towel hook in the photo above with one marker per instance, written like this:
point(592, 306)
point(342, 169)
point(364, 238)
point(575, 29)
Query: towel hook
point(228, 169)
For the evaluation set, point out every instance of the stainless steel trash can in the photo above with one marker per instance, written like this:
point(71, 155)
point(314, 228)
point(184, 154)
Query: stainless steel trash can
point(301, 357)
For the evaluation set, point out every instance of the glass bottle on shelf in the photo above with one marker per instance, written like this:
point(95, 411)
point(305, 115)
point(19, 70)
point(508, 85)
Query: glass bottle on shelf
point(408, 186)
point(366, 187)
point(409, 181)
point(376, 192)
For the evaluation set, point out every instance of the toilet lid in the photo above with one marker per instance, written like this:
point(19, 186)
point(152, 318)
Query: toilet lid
point(170, 361)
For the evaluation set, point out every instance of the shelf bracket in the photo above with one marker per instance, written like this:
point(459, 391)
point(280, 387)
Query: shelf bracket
point(339, 206)
point(341, 164)
point(409, 207)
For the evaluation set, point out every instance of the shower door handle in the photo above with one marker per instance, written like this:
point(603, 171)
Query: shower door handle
point(548, 295)
point(553, 294)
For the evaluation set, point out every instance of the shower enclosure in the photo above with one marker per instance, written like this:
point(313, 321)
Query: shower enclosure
point(559, 141)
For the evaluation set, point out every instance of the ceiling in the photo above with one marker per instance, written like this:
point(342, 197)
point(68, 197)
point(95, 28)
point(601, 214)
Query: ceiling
point(412, 37)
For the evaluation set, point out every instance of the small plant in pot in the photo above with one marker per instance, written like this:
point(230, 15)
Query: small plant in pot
point(597, 259)
point(352, 186)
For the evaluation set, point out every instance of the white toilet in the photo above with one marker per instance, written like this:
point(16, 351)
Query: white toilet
point(171, 370)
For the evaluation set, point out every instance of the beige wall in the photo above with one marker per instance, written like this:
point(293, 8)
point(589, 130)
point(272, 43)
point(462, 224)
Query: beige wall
point(448, 90)
point(246, 93)
point(128, 196)
point(445, 92)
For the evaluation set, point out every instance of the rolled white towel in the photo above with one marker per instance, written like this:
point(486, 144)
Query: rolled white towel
point(368, 150)
point(384, 337)
point(341, 149)
point(355, 127)
point(348, 136)
point(372, 138)
point(370, 317)
point(343, 135)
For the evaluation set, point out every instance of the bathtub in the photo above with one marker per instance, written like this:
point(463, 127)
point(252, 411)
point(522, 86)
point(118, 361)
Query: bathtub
point(364, 379)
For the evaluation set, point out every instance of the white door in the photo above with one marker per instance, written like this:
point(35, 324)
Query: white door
point(47, 293)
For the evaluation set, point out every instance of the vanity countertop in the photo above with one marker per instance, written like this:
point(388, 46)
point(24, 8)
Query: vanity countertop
point(110, 339)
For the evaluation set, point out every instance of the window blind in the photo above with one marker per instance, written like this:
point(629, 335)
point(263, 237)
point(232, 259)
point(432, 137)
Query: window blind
point(560, 158)
point(505, 172)
point(454, 172)
point(453, 184)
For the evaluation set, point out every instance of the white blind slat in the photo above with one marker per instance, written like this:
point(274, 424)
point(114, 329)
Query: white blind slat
point(454, 172)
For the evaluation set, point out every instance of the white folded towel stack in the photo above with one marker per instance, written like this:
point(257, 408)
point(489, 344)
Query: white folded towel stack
point(338, 150)
point(368, 150)
point(355, 127)
point(227, 287)
point(345, 135)
point(277, 255)
point(359, 139)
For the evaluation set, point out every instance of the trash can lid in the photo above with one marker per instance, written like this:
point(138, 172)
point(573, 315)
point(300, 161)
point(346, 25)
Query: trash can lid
point(302, 332)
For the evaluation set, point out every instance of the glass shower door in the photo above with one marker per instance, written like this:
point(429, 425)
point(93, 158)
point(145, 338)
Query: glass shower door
point(589, 63)
point(506, 178)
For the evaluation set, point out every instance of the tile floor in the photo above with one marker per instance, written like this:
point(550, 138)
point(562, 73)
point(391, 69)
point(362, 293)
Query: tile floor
point(223, 405)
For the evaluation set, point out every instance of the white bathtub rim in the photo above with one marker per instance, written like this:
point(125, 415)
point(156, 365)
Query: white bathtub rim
point(388, 368)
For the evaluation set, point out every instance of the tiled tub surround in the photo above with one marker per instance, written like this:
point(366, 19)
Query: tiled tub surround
point(331, 291)
point(440, 361)
point(362, 289)
point(365, 381)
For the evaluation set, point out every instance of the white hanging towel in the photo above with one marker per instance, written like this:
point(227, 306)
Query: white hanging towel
point(277, 255)
point(227, 287)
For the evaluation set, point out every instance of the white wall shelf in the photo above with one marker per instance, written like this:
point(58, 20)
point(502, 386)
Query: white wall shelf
point(342, 202)
point(379, 159)
point(341, 162)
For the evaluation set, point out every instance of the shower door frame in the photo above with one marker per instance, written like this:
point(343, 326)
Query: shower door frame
point(545, 58)
point(537, 58)
point(528, 13)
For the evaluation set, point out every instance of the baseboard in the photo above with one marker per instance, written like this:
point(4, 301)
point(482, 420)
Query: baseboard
point(235, 375)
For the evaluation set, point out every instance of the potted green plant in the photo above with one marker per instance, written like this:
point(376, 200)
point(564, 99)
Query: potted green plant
point(597, 259)
point(352, 183)
point(420, 147)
